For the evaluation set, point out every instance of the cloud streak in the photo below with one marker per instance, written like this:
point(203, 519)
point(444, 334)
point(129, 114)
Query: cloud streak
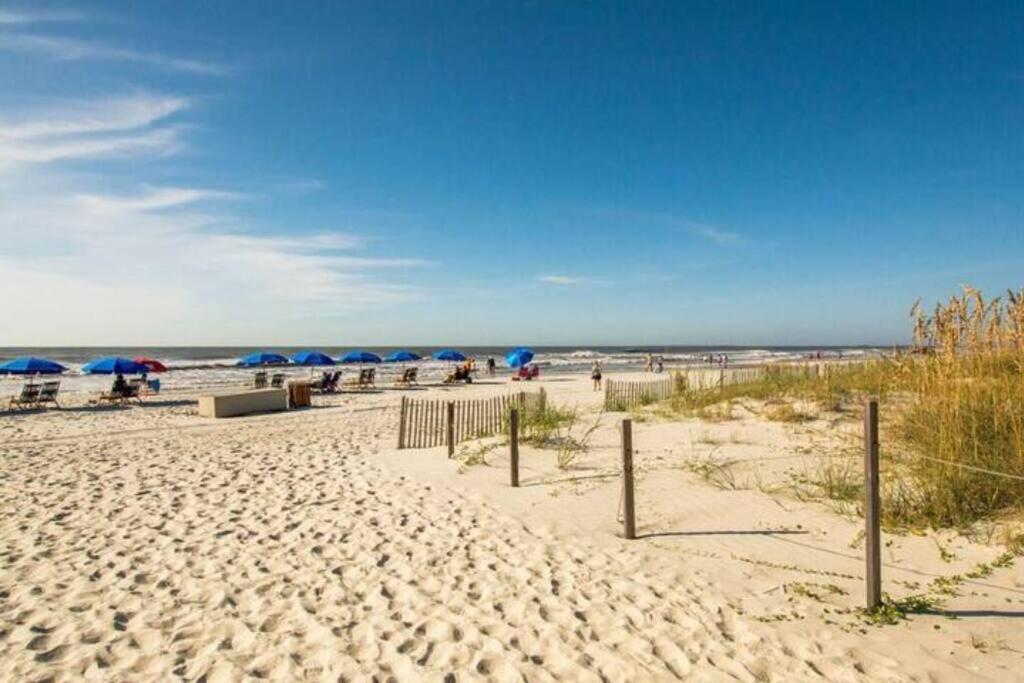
point(62, 49)
point(563, 280)
point(19, 17)
point(96, 128)
point(711, 233)
point(174, 262)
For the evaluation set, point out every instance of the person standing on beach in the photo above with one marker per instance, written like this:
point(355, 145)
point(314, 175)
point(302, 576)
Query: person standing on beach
point(595, 374)
point(490, 366)
point(649, 367)
point(661, 364)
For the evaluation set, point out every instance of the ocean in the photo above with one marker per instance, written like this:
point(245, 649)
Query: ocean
point(194, 367)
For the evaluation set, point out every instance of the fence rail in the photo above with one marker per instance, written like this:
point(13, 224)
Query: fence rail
point(622, 395)
point(626, 394)
point(423, 423)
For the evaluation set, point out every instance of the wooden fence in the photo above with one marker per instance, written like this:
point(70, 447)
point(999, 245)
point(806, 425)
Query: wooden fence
point(423, 423)
point(623, 395)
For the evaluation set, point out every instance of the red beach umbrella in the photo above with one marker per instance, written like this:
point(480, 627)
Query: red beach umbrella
point(151, 363)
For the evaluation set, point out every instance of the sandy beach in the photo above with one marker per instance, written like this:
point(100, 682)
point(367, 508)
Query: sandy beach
point(147, 543)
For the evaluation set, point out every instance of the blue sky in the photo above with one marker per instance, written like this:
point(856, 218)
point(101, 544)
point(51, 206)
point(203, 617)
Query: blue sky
point(544, 173)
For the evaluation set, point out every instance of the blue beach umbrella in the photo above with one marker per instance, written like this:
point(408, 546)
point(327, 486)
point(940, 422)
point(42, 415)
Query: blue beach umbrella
point(114, 365)
point(359, 357)
point(29, 365)
point(519, 357)
point(449, 355)
point(262, 358)
point(401, 357)
point(312, 358)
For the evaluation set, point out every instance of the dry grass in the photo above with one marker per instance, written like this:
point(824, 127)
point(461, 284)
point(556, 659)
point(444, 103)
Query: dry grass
point(957, 398)
point(785, 412)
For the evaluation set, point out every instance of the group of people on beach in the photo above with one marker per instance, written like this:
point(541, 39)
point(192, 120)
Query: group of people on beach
point(654, 363)
point(720, 359)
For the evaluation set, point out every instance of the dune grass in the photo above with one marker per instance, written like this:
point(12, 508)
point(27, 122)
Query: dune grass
point(955, 402)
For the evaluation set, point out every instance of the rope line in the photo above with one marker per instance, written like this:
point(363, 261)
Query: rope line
point(973, 467)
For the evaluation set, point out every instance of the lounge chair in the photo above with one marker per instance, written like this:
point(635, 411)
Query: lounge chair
point(408, 378)
point(132, 392)
point(48, 393)
point(371, 377)
point(259, 380)
point(364, 380)
point(461, 373)
point(29, 396)
point(327, 384)
point(129, 392)
point(277, 380)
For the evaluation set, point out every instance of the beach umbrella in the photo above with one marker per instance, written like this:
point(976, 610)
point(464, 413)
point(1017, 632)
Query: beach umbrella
point(114, 365)
point(401, 357)
point(312, 358)
point(359, 357)
point(29, 365)
point(519, 357)
point(151, 363)
point(449, 355)
point(262, 358)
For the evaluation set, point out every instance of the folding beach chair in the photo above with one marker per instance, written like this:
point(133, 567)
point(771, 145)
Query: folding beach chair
point(133, 391)
point(408, 378)
point(259, 380)
point(29, 396)
point(358, 382)
point(48, 393)
point(371, 375)
point(277, 380)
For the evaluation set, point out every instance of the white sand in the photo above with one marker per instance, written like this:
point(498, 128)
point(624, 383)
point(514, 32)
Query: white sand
point(150, 544)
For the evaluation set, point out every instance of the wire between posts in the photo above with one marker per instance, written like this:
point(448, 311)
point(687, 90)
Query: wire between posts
point(973, 467)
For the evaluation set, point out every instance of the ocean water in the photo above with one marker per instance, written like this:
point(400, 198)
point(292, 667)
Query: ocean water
point(193, 367)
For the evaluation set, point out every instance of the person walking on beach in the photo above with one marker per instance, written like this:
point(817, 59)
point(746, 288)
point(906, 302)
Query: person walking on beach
point(490, 366)
point(649, 367)
point(660, 364)
point(595, 374)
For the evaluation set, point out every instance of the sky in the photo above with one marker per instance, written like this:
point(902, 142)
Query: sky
point(548, 173)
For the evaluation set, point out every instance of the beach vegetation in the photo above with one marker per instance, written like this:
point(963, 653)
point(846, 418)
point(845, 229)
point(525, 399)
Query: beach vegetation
point(952, 412)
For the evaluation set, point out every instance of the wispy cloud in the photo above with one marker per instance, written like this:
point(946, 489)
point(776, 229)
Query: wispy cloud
point(650, 219)
point(17, 17)
point(72, 49)
point(710, 232)
point(180, 260)
point(97, 128)
point(563, 280)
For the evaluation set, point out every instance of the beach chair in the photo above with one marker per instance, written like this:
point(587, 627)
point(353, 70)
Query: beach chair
point(332, 383)
point(259, 380)
point(29, 396)
point(408, 378)
point(48, 393)
point(130, 391)
point(277, 380)
point(360, 382)
point(461, 373)
point(133, 391)
point(371, 376)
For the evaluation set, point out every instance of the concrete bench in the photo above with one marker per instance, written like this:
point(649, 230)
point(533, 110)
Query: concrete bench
point(231, 404)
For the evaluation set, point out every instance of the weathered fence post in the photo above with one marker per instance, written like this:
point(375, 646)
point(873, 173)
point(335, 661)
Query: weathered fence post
point(872, 512)
point(451, 428)
point(401, 424)
point(513, 446)
point(629, 516)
